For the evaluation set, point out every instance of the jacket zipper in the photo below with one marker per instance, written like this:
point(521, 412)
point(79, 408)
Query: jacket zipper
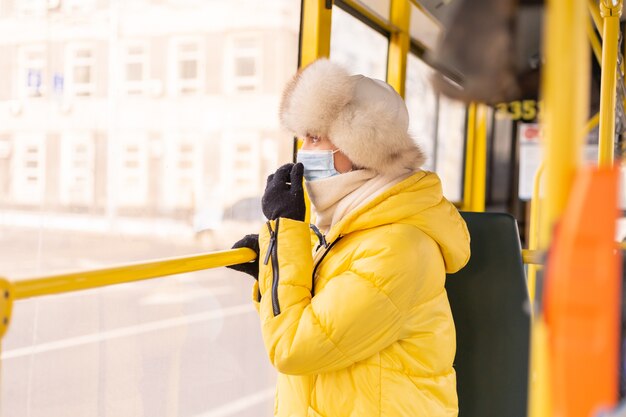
point(272, 251)
point(320, 237)
point(328, 248)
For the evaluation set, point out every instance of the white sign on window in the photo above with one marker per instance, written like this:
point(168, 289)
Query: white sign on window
point(531, 155)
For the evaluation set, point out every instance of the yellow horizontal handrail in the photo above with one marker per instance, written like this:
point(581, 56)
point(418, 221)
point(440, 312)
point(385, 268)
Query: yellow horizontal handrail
point(533, 257)
point(56, 284)
point(592, 123)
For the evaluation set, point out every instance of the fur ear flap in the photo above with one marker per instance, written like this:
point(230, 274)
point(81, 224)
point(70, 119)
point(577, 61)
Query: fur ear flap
point(314, 97)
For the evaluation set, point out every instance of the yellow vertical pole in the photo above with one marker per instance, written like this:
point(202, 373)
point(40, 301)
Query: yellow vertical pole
point(533, 234)
point(315, 43)
point(469, 157)
point(316, 20)
point(399, 45)
point(610, 10)
point(475, 158)
point(565, 93)
point(479, 176)
point(7, 295)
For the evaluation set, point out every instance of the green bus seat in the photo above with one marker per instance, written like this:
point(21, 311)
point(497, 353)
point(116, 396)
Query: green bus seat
point(490, 305)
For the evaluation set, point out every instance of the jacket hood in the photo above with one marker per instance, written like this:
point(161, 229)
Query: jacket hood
point(417, 200)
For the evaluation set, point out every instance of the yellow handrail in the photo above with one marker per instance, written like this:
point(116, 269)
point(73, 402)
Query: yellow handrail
point(595, 42)
point(475, 158)
point(469, 157)
point(532, 258)
point(566, 100)
point(56, 284)
point(611, 13)
point(592, 123)
point(594, 10)
point(316, 23)
point(533, 234)
point(399, 44)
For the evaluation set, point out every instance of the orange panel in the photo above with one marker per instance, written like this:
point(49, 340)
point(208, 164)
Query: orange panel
point(582, 298)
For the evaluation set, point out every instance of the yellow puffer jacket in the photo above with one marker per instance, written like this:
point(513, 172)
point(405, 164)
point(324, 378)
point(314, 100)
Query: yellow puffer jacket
point(374, 336)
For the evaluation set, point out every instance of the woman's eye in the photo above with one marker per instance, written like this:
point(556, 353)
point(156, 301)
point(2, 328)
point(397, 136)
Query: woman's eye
point(315, 139)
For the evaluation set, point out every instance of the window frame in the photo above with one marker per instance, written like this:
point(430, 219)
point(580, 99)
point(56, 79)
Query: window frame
point(140, 87)
point(176, 83)
point(21, 190)
point(24, 91)
point(233, 81)
point(72, 62)
point(137, 195)
point(70, 140)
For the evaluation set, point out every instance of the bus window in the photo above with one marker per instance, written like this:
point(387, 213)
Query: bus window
point(145, 131)
point(422, 102)
point(356, 46)
point(450, 147)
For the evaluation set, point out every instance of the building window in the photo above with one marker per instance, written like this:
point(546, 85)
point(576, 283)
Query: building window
point(188, 67)
point(77, 169)
point(32, 71)
point(183, 171)
point(81, 68)
point(242, 165)
point(245, 70)
point(133, 173)
point(28, 168)
point(79, 5)
point(32, 7)
point(136, 68)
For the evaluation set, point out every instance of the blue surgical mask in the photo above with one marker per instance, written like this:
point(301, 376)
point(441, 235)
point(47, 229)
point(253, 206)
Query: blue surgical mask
point(317, 164)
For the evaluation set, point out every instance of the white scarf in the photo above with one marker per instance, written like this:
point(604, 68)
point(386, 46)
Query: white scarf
point(334, 197)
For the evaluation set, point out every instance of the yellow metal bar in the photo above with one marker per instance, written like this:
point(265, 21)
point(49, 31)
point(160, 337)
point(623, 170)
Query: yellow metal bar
point(596, 46)
point(316, 21)
point(399, 45)
point(6, 304)
point(540, 404)
point(57, 284)
point(610, 10)
point(592, 123)
point(475, 158)
point(479, 177)
point(469, 157)
point(372, 16)
point(594, 10)
point(533, 235)
point(565, 92)
point(533, 257)
point(566, 99)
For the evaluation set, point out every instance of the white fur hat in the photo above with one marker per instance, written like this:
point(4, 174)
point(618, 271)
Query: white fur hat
point(365, 118)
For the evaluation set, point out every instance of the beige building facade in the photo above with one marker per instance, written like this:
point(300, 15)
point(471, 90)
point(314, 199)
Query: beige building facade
point(140, 109)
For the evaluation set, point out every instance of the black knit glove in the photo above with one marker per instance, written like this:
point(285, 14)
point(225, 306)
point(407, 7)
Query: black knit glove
point(284, 196)
point(250, 268)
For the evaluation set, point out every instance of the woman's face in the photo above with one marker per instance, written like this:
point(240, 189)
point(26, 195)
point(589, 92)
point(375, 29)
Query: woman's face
point(317, 143)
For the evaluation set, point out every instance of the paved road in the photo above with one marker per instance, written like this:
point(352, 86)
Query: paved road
point(180, 346)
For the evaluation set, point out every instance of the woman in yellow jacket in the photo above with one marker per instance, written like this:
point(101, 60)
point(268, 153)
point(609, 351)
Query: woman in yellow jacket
point(357, 323)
